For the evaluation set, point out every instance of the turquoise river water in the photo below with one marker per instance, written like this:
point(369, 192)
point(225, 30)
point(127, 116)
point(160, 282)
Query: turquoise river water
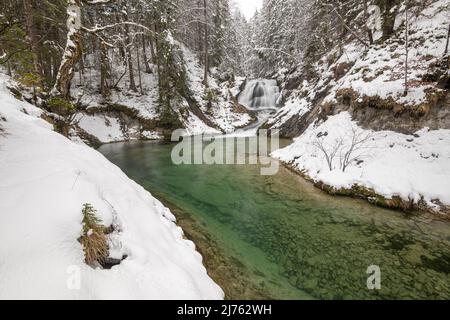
point(289, 240)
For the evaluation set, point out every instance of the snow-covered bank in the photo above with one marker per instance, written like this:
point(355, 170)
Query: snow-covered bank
point(412, 167)
point(109, 129)
point(44, 181)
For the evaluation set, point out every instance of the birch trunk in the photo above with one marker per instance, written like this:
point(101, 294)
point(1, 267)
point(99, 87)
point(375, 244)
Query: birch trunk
point(72, 52)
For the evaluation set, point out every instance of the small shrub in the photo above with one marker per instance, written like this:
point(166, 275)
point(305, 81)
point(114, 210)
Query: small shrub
point(30, 80)
point(94, 237)
point(61, 106)
point(211, 96)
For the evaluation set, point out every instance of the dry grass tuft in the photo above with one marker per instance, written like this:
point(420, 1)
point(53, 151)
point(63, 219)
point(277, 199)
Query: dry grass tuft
point(94, 238)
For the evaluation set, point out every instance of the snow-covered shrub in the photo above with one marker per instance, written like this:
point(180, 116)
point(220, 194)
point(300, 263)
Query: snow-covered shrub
point(31, 80)
point(94, 238)
point(66, 110)
point(211, 97)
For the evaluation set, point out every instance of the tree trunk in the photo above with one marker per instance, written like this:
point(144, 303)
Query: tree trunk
point(139, 69)
point(199, 38)
point(406, 45)
point(448, 39)
point(366, 15)
point(152, 46)
point(144, 55)
point(72, 52)
point(72, 55)
point(32, 33)
point(121, 49)
point(129, 58)
point(389, 19)
point(56, 62)
point(205, 44)
point(104, 71)
point(8, 69)
point(158, 67)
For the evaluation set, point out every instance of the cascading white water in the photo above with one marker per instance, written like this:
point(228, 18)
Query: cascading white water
point(260, 96)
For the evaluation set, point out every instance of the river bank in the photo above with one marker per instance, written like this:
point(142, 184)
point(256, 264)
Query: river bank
point(398, 171)
point(369, 195)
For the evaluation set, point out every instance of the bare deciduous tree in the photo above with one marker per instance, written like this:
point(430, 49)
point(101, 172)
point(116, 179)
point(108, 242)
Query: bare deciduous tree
point(329, 151)
point(349, 149)
point(356, 149)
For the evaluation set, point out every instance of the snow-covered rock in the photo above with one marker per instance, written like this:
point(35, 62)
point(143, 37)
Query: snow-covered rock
point(44, 181)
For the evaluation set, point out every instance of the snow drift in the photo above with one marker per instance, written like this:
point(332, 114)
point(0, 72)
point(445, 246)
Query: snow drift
point(44, 181)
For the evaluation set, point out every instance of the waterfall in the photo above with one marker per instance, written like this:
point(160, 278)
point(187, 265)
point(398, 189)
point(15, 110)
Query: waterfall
point(260, 96)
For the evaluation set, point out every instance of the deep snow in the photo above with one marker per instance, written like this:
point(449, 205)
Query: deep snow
point(44, 181)
point(394, 164)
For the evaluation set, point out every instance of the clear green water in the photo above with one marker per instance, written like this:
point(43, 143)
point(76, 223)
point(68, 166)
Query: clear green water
point(298, 242)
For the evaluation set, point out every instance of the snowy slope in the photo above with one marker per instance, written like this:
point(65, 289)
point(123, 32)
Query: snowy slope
point(393, 164)
point(378, 73)
point(104, 128)
point(85, 89)
point(44, 181)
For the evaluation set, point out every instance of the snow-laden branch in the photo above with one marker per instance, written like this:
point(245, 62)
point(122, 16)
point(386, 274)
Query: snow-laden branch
point(110, 26)
point(96, 1)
